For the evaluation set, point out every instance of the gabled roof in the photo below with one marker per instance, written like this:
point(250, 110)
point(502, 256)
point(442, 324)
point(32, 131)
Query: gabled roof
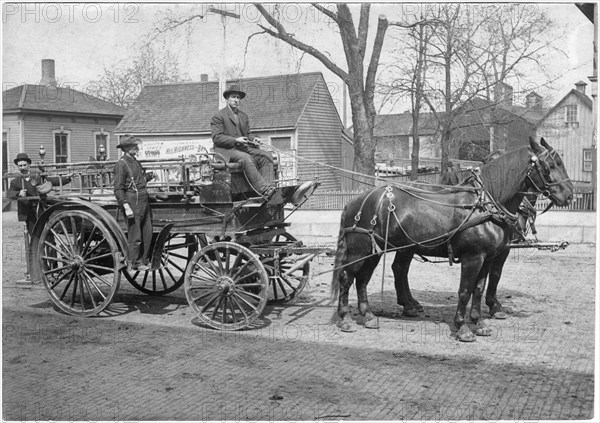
point(56, 99)
point(273, 102)
point(581, 96)
point(401, 124)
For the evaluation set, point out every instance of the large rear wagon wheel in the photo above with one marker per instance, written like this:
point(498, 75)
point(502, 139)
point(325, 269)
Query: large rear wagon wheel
point(226, 286)
point(178, 250)
point(79, 262)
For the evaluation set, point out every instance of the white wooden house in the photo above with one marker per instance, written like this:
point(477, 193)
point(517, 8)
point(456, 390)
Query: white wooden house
point(569, 128)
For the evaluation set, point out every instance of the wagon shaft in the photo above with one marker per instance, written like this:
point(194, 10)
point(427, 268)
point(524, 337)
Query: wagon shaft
point(552, 246)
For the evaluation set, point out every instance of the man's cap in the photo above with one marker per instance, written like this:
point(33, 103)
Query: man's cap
point(22, 157)
point(128, 141)
point(450, 164)
point(234, 89)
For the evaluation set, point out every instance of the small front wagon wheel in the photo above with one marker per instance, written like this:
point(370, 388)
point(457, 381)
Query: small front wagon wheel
point(79, 262)
point(226, 286)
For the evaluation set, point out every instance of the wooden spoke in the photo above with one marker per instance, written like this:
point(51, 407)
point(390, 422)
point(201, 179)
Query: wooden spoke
point(226, 286)
point(284, 287)
point(88, 278)
point(177, 251)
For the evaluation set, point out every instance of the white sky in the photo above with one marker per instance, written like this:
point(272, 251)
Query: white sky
point(83, 38)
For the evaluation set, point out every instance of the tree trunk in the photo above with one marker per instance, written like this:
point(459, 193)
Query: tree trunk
point(364, 145)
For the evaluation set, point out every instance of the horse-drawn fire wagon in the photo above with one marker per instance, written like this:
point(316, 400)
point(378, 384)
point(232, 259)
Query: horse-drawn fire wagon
point(229, 247)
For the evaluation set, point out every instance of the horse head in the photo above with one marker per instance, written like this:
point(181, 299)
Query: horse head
point(548, 175)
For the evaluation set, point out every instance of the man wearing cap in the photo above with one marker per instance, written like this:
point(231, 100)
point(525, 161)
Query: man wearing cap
point(130, 191)
point(30, 184)
point(231, 135)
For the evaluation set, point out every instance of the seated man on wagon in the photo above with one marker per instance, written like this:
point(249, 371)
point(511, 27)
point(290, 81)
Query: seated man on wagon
point(30, 184)
point(233, 140)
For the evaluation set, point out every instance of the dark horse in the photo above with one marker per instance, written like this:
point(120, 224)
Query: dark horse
point(468, 223)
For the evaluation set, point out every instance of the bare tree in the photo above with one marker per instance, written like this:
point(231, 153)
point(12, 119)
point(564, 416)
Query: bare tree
point(122, 82)
point(473, 49)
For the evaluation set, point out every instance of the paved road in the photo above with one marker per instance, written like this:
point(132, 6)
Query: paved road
point(148, 360)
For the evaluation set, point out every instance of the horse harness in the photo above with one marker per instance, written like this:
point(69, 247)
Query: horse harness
point(485, 203)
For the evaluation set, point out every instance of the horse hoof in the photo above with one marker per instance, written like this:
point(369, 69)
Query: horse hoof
point(410, 312)
point(464, 334)
point(371, 324)
point(347, 327)
point(500, 315)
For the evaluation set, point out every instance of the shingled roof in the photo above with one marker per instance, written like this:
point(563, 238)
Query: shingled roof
point(273, 102)
point(56, 99)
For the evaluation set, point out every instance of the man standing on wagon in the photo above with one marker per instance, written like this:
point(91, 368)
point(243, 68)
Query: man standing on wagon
point(132, 196)
point(231, 135)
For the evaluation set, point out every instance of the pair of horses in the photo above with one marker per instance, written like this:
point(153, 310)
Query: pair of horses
point(472, 223)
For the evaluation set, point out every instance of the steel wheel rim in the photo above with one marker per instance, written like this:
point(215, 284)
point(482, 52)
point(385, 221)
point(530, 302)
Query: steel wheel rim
point(226, 286)
point(179, 248)
point(79, 261)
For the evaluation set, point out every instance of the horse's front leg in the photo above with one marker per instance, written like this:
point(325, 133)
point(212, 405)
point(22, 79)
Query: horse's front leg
point(481, 328)
point(470, 268)
point(491, 300)
point(362, 280)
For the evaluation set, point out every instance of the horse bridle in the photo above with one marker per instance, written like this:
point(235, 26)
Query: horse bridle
point(535, 163)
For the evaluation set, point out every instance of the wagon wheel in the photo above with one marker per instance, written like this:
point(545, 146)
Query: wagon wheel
point(226, 286)
point(178, 250)
point(79, 262)
point(284, 287)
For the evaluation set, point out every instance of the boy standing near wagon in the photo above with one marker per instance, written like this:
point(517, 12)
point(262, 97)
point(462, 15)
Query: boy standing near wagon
point(132, 196)
point(231, 135)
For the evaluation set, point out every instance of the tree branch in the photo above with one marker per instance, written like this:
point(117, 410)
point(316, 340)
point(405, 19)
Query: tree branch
point(283, 35)
point(326, 12)
point(363, 28)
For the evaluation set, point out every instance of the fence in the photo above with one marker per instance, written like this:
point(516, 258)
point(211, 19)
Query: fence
point(336, 200)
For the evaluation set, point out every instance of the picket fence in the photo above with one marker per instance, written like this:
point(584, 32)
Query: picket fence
point(335, 200)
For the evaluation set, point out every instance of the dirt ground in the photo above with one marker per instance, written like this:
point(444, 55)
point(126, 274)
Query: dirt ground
point(538, 363)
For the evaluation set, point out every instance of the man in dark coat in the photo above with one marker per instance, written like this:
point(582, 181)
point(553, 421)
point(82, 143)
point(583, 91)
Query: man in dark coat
point(231, 135)
point(30, 184)
point(130, 190)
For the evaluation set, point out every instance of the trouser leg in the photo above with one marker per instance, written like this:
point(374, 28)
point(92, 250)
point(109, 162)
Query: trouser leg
point(139, 229)
point(250, 170)
point(264, 163)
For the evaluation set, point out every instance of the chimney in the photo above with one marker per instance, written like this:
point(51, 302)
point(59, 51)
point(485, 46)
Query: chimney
point(580, 86)
point(533, 101)
point(204, 77)
point(48, 73)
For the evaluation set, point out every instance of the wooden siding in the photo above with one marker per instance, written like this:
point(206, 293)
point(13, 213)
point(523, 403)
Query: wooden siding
point(320, 139)
point(10, 124)
point(38, 130)
point(570, 141)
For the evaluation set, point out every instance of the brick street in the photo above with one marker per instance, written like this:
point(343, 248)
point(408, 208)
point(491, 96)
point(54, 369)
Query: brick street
point(149, 359)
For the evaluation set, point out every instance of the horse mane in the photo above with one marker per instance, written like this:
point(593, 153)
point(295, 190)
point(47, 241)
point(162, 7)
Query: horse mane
point(504, 176)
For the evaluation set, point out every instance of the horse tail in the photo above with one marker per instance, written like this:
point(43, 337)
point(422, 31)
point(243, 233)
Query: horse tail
point(341, 256)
